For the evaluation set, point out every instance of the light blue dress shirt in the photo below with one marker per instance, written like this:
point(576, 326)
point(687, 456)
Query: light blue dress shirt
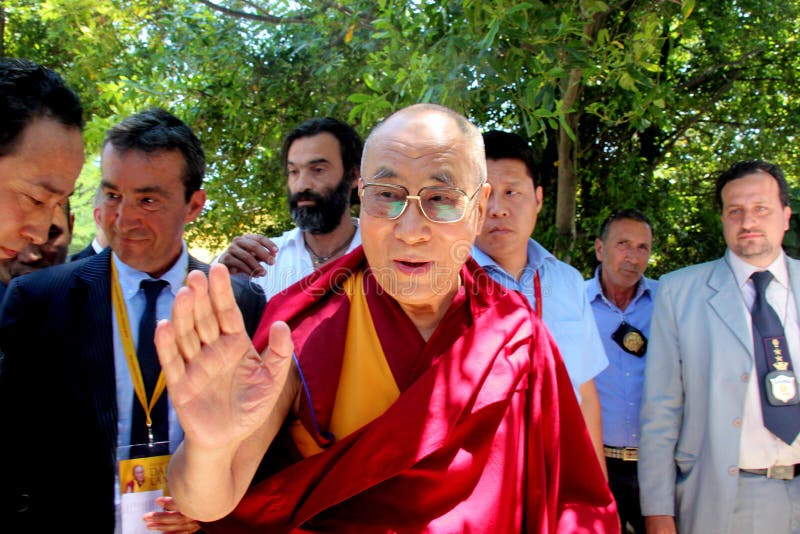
point(129, 280)
point(620, 384)
point(565, 309)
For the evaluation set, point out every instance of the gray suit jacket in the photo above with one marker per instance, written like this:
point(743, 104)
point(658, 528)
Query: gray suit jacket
point(698, 365)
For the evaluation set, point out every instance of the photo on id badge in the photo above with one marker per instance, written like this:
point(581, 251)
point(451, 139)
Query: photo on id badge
point(142, 480)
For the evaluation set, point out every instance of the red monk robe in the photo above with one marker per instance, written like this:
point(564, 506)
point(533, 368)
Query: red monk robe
point(486, 435)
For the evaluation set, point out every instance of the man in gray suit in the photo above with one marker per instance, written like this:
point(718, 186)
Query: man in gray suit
point(719, 451)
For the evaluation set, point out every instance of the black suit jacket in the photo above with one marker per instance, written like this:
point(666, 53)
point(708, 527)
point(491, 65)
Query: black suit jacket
point(88, 252)
point(58, 402)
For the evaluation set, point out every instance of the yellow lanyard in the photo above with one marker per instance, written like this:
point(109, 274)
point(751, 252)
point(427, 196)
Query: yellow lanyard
point(121, 311)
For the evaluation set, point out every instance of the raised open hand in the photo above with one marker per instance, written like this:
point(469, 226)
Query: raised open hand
point(221, 388)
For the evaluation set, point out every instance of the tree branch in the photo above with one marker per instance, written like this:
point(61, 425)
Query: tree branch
point(363, 20)
point(710, 71)
point(672, 138)
point(264, 17)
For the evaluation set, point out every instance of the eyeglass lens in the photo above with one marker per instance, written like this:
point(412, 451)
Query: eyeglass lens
point(440, 204)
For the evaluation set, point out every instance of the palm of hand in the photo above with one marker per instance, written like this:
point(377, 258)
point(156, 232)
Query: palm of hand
point(221, 388)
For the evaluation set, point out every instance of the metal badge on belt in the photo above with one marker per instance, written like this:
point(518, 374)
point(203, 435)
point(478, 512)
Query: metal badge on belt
point(630, 339)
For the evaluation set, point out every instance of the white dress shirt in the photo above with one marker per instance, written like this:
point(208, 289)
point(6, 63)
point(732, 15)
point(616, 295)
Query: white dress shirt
point(759, 447)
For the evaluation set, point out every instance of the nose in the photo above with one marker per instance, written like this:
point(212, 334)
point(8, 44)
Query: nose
point(303, 181)
point(125, 215)
point(37, 225)
point(495, 207)
point(412, 226)
point(749, 218)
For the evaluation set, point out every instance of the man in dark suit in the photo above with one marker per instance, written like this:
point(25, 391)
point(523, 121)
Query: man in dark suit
point(70, 401)
point(100, 240)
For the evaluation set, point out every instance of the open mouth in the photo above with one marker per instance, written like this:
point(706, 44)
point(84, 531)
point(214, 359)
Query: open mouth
point(413, 267)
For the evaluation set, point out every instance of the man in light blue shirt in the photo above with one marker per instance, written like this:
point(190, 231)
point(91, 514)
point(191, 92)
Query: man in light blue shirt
point(622, 301)
point(506, 251)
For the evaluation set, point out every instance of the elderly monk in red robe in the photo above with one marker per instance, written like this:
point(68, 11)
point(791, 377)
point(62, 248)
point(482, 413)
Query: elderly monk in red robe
point(398, 389)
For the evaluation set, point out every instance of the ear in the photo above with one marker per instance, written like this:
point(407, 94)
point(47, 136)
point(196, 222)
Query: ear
point(539, 194)
point(787, 214)
point(482, 202)
point(71, 222)
point(598, 249)
point(195, 205)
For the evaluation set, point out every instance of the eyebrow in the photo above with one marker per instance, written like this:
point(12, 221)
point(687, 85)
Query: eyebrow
point(144, 189)
point(50, 189)
point(312, 162)
point(386, 172)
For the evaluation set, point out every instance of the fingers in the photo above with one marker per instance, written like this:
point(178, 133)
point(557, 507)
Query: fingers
point(280, 339)
point(271, 248)
point(168, 354)
point(227, 313)
point(246, 253)
point(170, 520)
point(183, 315)
point(235, 265)
point(205, 320)
point(167, 503)
point(277, 358)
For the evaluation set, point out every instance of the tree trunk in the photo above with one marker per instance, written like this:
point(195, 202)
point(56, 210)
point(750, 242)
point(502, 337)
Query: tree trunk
point(2, 29)
point(566, 202)
point(567, 171)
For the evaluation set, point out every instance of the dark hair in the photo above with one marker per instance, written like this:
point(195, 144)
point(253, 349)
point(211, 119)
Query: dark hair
point(29, 91)
point(350, 144)
point(157, 130)
point(506, 145)
point(626, 214)
point(752, 166)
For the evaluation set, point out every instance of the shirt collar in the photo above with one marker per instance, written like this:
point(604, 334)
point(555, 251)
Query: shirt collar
point(96, 246)
point(595, 291)
point(295, 238)
point(743, 270)
point(130, 278)
point(537, 255)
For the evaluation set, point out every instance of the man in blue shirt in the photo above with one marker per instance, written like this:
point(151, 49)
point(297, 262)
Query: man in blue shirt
point(622, 301)
point(506, 251)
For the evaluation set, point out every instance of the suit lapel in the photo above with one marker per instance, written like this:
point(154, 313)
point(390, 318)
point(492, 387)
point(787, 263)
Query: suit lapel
point(197, 265)
point(95, 341)
point(727, 304)
point(793, 267)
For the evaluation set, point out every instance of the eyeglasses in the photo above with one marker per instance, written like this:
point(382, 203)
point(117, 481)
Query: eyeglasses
point(438, 204)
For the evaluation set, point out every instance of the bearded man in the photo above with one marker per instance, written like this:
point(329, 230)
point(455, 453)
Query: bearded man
point(322, 158)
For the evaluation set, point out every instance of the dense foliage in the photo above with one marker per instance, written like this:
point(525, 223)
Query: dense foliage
point(629, 103)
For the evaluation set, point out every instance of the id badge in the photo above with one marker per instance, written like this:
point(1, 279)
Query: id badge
point(781, 388)
point(142, 479)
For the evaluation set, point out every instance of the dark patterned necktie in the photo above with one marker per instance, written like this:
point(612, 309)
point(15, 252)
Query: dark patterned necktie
point(783, 421)
point(148, 363)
